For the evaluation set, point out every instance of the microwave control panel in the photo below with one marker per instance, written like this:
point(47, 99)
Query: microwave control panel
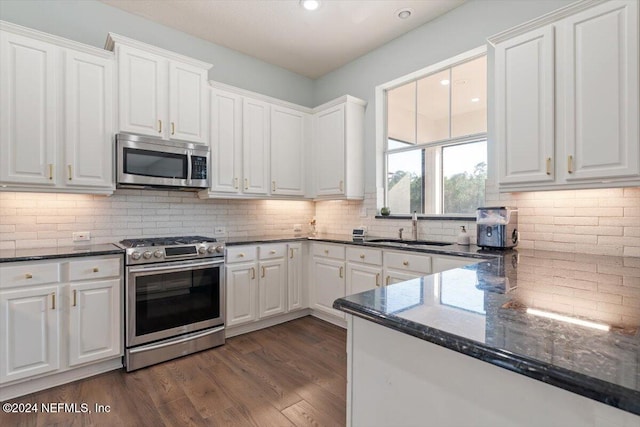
point(198, 167)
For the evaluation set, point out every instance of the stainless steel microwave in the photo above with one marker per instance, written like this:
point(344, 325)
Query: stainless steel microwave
point(155, 163)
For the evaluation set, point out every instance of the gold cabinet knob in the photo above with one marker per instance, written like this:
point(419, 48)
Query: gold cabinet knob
point(361, 256)
point(405, 263)
point(96, 269)
point(28, 276)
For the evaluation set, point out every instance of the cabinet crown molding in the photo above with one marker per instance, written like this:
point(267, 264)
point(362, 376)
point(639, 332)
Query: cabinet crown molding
point(255, 95)
point(543, 20)
point(56, 40)
point(340, 100)
point(116, 39)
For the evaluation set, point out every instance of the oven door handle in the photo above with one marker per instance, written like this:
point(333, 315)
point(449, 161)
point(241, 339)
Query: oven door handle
point(177, 341)
point(154, 268)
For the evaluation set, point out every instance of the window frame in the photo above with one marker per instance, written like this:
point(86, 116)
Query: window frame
point(381, 126)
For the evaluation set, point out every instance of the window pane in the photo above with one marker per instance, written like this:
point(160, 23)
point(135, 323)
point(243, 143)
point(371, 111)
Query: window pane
point(401, 113)
point(405, 182)
point(469, 98)
point(433, 107)
point(392, 144)
point(464, 169)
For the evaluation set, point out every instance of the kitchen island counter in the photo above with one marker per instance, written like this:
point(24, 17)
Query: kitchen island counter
point(568, 320)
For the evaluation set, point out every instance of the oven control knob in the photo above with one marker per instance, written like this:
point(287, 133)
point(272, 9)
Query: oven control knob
point(202, 250)
point(211, 249)
point(136, 256)
point(219, 249)
point(147, 254)
point(158, 253)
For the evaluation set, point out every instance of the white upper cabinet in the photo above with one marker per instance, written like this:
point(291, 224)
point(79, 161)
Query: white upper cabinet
point(226, 142)
point(88, 120)
point(160, 93)
point(567, 99)
point(288, 140)
point(525, 71)
point(255, 146)
point(56, 113)
point(600, 91)
point(338, 155)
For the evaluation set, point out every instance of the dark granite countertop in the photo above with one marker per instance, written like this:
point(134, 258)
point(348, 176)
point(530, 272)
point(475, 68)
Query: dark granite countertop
point(34, 254)
point(525, 312)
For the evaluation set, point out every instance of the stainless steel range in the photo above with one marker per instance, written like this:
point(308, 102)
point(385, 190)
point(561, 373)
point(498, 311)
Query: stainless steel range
point(174, 298)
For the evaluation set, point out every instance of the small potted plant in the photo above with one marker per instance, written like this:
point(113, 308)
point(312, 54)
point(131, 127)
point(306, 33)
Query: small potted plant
point(385, 211)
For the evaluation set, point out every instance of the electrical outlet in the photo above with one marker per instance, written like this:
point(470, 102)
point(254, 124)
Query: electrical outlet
point(219, 231)
point(297, 228)
point(81, 236)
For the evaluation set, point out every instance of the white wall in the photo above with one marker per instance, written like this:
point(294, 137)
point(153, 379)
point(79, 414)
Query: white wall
point(89, 21)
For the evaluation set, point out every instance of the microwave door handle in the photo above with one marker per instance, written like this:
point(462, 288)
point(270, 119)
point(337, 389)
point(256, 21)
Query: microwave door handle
point(188, 167)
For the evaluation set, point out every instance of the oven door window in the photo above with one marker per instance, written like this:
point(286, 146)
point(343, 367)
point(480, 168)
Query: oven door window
point(174, 299)
point(155, 164)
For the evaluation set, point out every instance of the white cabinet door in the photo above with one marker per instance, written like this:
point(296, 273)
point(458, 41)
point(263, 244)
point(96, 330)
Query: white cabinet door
point(272, 287)
point(241, 293)
point(94, 321)
point(255, 139)
point(328, 284)
point(142, 92)
point(28, 110)
point(29, 332)
point(392, 276)
point(287, 151)
point(187, 102)
point(226, 142)
point(600, 92)
point(88, 120)
point(524, 70)
point(329, 157)
point(295, 282)
point(362, 278)
point(442, 263)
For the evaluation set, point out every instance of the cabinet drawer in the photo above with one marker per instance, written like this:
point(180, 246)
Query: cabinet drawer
point(94, 269)
point(364, 255)
point(29, 274)
point(272, 251)
point(330, 251)
point(407, 261)
point(241, 254)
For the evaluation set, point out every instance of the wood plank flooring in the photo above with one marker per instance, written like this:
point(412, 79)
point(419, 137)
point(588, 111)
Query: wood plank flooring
point(293, 374)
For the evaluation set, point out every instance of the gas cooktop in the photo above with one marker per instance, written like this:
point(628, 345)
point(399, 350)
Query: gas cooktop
point(166, 241)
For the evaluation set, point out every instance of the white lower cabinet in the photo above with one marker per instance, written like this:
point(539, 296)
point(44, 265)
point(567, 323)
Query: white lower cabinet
point(364, 269)
point(58, 316)
point(401, 266)
point(328, 277)
point(295, 277)
point(241, 292)
point(272, 285)
point(444, 263)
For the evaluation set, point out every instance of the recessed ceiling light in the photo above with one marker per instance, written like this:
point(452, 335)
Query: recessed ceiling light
point(310, 4)
point(475, 99)
point(404, 13)
point(444, 82)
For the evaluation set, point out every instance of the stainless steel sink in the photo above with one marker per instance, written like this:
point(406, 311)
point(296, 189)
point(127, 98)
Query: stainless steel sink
point(411, 242)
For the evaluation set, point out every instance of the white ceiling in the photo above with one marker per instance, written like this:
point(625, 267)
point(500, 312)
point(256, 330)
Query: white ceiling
point(282, 33)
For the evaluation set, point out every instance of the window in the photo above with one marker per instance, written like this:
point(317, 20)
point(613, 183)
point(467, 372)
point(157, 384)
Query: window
point(435, 145)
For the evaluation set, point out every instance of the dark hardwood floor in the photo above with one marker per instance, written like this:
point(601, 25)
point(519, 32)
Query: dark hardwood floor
point(293, 374)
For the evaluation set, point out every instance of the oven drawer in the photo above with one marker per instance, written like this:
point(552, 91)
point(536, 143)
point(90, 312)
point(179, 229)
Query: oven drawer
point(272, 251)
point(241, 254)
point(94, 269)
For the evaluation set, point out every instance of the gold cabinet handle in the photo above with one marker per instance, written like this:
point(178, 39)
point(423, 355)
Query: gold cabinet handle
point(326, 251)
point(548, 165)
point(570, 164)
point(53, 301)
point(405, 263)
point(241, 254)
point(96, 269)
point(341, 271)
point(262, 275)
point(377, 279)
point(253, 273)
point(28, 276)
point(361, 256)
point(75, 298)
point(246, 183)
point(273, 186)
point(272, 252)
point(70, 173)
point(388, 279)
point(291, 253)
point(341, 185)
point(50, 171)
point(173, 128)
point(235, 183)
point(159, 126)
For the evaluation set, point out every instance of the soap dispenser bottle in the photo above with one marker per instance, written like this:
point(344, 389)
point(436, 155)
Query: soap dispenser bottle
point(463, 237)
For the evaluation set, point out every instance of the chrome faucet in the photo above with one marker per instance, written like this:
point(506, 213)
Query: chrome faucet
point(400, 233)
